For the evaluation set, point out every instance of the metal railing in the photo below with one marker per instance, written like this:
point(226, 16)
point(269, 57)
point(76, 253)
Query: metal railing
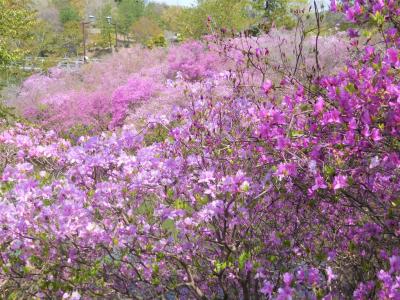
point(38, 64)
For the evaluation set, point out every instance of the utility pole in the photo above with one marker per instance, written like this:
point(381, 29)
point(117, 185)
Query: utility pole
point(109, 18)
point(84, 41)
point(91, 18)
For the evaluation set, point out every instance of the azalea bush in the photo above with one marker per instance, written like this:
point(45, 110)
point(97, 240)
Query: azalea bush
point(255, 188)
point(192, 61)
point(106, 94)
point(62, 98)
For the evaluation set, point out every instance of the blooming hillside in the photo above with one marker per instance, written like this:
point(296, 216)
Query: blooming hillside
point(255, 187)
point(101, 95)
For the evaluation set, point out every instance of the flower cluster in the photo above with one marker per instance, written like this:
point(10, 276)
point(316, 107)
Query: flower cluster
point(255, 188)
point(192, 61)
point(107, 94)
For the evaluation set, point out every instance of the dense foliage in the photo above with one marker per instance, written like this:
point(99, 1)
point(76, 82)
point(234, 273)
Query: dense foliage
point(279, 11)
point(257, 187)
point(16, 22)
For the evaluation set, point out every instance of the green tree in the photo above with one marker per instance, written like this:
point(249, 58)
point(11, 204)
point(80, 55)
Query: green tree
point(74, 7)
point(107, 30)
point(229, 14)
point(16, 22)
point(145, 28)
point(71, 38)
point(128, 11)
point(278, 11)
point(45, 41)
point(171, 18)
point(154, 11)
point(69, 14)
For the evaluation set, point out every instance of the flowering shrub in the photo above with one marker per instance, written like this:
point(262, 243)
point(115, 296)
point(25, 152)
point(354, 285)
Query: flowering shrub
point(192, 61)
point(243, 193)
point(91, 96)
point(62, 99)
point(135, 90)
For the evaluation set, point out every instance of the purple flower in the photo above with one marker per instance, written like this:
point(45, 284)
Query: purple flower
point(363, 290)
point(258, 52)
point(332, 116)
point(376, 135)
point(369, 52)
point(267, 86)
point(330, 274)
point(319, 183)
point(319, 105)
point(350, 14)
point(394, 264)
point(353, 124)
point(378, 5)
point(393, 56)
point(286, 169)
point(75, 296)
point(352, 33)
point(282, 142)
point(206, 177)
point(267, 288)
point(340, 182)
point(287, 278)
point(333, 6)
point(260, 273)
point(285, 293)
point(313, 276)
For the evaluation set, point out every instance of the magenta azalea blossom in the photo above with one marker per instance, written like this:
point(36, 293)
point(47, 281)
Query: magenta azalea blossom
point(339, 182)
point(393, 56)
point(267, 86)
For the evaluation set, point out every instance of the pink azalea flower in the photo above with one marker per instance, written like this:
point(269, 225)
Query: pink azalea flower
point(394, 264)
point(376, 135)
point(350, 14)
point(285, 170)
point(267, 86)
point(319, 183)
point(267, 289)
point(369, 51)
point(330, 274)
point(287, 278)
point(319, 105)
point(352, 33)
point(258, 52)
point(393, 56)
point(339, 182)
point(333, 6)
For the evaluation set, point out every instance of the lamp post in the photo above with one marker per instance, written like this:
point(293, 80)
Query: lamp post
point(91, 19)
point(109, 18)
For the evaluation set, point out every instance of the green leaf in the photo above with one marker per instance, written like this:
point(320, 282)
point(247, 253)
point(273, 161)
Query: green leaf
point(155, 270)
point(220, 266)
point(180, 204)
point(396, 203)
point(272, 258)
point(170, 193)
point(378, 18)
point(243, 258)
point(296, 133)
point(328, 171)
point(350, 88)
